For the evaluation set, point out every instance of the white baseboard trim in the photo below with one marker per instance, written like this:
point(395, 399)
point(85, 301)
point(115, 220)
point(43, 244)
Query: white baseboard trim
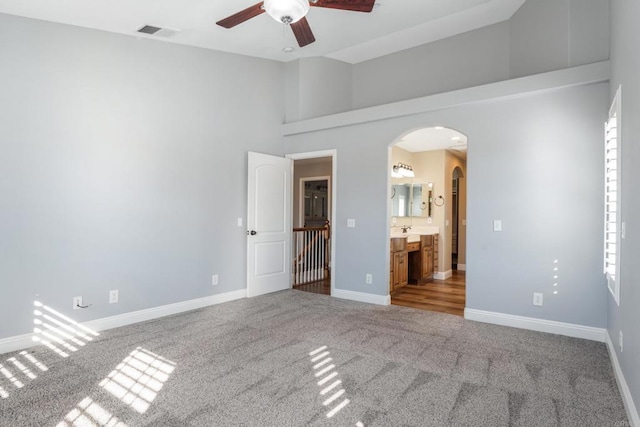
point(19, 342)
point(462, 267)
point(25, 341)
point(533, 324)
point(443, 275)
point(163, 310)
point(362, 297)
point(627, 399)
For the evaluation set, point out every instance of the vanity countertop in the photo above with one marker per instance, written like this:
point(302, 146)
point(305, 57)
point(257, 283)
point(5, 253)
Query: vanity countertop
point(413, 234)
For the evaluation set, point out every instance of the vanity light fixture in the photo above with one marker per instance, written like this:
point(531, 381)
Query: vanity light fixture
point(402, 170)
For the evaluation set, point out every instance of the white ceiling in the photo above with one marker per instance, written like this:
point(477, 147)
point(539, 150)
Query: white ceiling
point(352, 37)
point(435, 138)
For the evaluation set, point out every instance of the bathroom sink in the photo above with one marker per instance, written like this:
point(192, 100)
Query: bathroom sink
point(411, 237)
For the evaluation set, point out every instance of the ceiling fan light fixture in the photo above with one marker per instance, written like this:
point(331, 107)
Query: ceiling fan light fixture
point(286, 11)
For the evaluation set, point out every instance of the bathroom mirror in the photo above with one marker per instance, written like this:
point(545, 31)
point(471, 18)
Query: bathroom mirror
point(422, 199)
point(418, 206)
point(401, 199)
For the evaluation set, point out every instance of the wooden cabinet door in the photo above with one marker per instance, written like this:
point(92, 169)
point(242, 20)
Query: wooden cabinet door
point(400, 269)
point(391, 275)
point(427, 262)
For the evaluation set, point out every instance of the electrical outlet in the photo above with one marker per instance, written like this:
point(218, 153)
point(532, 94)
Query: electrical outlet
point(214, 280)
point(113, 296)
point(77, 303)
point(369, 278)
point(537, 299)
point(621, 346)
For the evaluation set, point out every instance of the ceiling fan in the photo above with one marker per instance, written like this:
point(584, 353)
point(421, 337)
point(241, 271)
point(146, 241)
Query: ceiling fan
point(293, 12)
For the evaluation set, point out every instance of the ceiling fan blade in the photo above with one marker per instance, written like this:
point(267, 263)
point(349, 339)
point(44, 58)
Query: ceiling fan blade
point(243, 15)
point(302, 31)
point(354, 5)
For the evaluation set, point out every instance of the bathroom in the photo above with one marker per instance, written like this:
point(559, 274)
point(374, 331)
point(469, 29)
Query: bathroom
point(428, 198)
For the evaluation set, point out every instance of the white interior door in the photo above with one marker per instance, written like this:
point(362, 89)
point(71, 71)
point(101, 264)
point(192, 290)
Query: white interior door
point(268, 224)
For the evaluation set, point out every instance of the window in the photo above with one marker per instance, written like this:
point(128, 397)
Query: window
point(612, 226)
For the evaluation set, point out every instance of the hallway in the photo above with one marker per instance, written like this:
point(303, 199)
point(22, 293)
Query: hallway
point(444, 296)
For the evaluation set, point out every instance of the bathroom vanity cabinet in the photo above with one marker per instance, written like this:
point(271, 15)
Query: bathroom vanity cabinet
point(399, 267)
point(413, 262)
point(423, 259)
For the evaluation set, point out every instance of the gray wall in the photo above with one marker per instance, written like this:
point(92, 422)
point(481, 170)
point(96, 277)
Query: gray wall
point(625, 69)
point(469, 59)
point(520, 150)
point(123, 167)
point(543, 35)
point(317, 87)
point(550, 35)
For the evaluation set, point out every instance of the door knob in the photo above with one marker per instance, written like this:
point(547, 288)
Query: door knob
point(252, 232)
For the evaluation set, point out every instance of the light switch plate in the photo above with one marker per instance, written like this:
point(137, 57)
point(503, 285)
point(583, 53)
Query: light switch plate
point(351, 222)
point(497, 225)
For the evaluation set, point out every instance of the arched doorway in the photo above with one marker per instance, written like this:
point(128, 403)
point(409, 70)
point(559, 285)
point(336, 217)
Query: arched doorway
point(458, 220)
point(423, 163)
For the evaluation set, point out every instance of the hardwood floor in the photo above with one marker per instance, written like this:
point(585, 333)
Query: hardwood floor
point(445, 296)
point(321, 287)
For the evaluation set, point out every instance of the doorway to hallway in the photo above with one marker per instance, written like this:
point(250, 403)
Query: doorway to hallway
point(313, 212)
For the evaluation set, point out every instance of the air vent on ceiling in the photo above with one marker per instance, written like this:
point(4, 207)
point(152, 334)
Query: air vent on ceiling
point(158, 31)
point(149, 29)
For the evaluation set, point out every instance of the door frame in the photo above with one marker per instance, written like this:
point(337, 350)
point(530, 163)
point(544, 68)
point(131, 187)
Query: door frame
point(333, 153)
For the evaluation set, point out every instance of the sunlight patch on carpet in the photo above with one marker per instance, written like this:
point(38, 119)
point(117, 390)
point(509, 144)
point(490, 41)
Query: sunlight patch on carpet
point(59, 333)
point(18, 369)
point(138, 379)
point(89, 414)
point(324, 370)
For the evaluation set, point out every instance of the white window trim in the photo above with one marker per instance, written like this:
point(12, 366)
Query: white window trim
point(612, 239)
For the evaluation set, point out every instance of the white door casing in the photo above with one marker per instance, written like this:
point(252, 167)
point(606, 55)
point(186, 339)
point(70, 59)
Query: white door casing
point(268, 224)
